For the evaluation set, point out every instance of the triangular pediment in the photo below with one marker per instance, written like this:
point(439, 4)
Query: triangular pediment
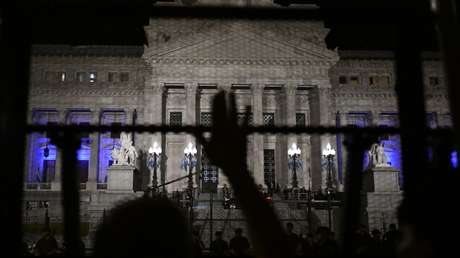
point(243, 45)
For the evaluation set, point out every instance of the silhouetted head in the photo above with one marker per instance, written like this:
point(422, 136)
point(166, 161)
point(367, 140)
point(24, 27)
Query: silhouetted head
point(392, 227)
point(289, 227)
point(322, 234)
point(376, 234)
point(238, 231)
point(218, 234)
point(144, 228)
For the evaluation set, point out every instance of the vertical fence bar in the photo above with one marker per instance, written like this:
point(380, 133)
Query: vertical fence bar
point(411, 101)
point(448, 28)
point(14, 79)
point(353, 181)
point(70, 142)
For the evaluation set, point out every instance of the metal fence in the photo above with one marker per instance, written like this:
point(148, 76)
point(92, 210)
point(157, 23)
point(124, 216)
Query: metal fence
point(16, 40)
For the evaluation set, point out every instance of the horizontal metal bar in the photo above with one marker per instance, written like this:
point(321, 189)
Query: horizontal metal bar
point(235, 219)
point(248, 130)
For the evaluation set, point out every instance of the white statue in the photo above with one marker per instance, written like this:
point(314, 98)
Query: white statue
point(126, 154)
point(377, 156)
point(132, 156)
point(116, 156)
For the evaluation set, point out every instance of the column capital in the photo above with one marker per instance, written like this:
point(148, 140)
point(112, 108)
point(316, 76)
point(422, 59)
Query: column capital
point(62, 115)
point(290, 89)
point(257, 89)
point(190, 88)
point(95, 116)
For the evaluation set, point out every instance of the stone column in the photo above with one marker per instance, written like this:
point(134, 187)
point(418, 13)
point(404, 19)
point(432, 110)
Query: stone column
point(375, 117)
point(153, 115)
point(56, 184)
point(191, 117)
point(292, 138)
point(258, 142)
point(91, 185)
point(320, 115)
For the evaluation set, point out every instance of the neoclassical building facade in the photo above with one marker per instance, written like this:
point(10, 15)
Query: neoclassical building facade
point(280, 68)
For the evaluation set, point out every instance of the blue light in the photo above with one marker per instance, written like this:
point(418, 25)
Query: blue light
point(454, 159)
point(105, 156)
point(84, 152)
point(36, 168)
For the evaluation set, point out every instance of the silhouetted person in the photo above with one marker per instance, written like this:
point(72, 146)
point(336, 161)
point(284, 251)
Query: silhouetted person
point(81, 247)
point(361, 240)
point(226, 192)
point(197, 244)
point(239, 244)
point(285, 193)
point(219, 247)
point(25, 249)
point(391, 240)
point(144, 227)
point(46, 245)
point(324, 246)
point(306, 245)
point(375, 247)
point(293, 239)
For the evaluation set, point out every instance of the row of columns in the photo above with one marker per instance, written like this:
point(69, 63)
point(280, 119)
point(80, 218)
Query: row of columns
point(155, 112)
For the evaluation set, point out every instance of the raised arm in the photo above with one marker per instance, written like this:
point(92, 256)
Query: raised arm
point(227, 149)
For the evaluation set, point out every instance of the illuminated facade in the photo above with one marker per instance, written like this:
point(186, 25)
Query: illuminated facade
point(282, 69)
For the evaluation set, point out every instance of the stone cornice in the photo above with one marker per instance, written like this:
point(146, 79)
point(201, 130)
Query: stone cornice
point(361, 95)
point(229, 61)
point(36, 92)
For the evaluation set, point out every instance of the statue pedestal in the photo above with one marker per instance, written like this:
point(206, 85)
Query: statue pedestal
point(120, 178)
point(382, 196)
point(381, 179)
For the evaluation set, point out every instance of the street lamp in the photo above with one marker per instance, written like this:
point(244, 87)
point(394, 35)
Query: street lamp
point(153, 162)
point(329, 154)
point(189, 163)
point(294, 163)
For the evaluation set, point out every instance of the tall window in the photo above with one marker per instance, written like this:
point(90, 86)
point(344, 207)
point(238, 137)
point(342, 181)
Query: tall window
point(269, 119)
point(269, 167)
point(300, 119)
point(111, 76)
point(175, 118)
point(124, 77)
point(206, 118)
point(241, 117)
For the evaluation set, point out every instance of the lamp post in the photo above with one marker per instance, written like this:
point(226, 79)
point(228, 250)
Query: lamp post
point(310, 221)
point(153, 162)
point(189, 163)
point(329, 154)
point(294, 163)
